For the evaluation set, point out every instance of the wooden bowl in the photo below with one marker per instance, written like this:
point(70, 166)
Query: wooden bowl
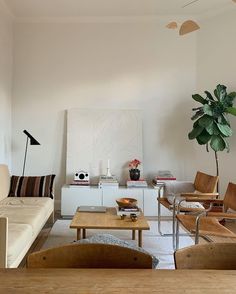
point(126, 202)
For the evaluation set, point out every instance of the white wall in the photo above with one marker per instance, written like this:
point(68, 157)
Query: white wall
point(216, 64)
point(130, 65)
point(6, 55)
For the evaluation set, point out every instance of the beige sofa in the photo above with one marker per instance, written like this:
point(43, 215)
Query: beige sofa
point(21, 220)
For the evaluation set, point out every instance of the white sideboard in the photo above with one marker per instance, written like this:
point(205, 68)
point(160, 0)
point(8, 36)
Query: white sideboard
point(74, 196)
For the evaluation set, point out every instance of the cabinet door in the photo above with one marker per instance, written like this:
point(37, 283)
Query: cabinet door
point(109, 195)
point(151, 204)
point(72, 197)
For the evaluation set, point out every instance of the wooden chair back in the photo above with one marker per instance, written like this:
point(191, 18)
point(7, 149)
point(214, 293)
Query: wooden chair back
point(220, 256)
point(230, 197)
point(205, 183)
point(89, 256)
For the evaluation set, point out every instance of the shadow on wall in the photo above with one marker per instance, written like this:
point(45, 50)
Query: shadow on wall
point(174, 136)
point(59, 162)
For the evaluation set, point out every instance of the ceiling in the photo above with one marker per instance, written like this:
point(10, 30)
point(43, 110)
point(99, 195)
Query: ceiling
point(99, 8)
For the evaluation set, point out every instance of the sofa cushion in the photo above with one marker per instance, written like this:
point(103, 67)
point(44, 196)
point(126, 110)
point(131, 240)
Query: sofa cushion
point(19, 237)
point(33, 216)
point(45, 202)
point(32, 186)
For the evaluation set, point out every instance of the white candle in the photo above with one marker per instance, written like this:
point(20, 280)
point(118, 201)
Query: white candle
point(108, 163)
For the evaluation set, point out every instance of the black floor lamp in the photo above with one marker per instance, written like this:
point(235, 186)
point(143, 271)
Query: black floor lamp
point(33, 141)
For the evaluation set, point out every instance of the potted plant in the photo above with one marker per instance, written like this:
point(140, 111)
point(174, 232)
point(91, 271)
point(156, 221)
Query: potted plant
point(134, 172)
point(212, 126)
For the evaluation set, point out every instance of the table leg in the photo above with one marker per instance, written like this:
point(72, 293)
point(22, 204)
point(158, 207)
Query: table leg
point(140, 238)
point(78, 234)
point(84, 233)
point(133, 234)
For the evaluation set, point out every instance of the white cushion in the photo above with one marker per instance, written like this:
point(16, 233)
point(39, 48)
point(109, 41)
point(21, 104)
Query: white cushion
point(177, 187)
point(19, 236)
point(184, 203)
point(33, 216)
point(45, 202)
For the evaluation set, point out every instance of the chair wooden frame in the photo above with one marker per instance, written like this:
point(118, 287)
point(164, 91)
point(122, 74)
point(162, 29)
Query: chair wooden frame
point(89, 256)
point(219, 256)
point(205, 186)
point(206, 223)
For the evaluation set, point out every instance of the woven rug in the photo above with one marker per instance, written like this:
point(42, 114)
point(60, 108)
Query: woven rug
point(158, 245)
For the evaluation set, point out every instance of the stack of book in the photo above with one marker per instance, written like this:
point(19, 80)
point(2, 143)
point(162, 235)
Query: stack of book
point(136, 184)
point(106, 181)
point(163, 176)
point(128, 210)
point(81, 183)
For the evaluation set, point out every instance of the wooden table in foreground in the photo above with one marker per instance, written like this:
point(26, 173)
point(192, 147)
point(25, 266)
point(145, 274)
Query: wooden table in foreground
point(116, 281)
point(108, 220)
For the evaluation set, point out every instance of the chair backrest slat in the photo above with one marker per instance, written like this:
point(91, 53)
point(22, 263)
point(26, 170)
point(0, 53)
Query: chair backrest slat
point(89, 256)
point(220, 256)
point(230, 197)
point(205, 183)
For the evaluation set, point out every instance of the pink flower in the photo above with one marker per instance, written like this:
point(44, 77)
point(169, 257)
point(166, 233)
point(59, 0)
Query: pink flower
point(134, 163)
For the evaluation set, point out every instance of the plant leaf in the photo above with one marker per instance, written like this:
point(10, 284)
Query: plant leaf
point(210, 128)
point(209, 96)
point(217, 143)
point(196, 123)
point(199, 99)
point(208, 109)
point(232, 95)
point(231, 110)
point(218, 109)
point(204, 137)
point(225, 130)
point(220, 92)
point(199, 141)
point(195, 132)
point(205, 120)
point(216, 94)
point(216, 131)
point(223, 119)
point(197, 114)
point(227, 101)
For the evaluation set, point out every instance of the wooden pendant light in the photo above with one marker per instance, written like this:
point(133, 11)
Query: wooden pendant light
point(188, 26)
point(172, 25)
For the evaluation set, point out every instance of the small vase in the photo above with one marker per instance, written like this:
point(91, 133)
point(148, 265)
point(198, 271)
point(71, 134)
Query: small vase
point(134, 174)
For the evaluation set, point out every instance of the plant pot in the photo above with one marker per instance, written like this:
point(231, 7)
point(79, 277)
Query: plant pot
point(134, 174)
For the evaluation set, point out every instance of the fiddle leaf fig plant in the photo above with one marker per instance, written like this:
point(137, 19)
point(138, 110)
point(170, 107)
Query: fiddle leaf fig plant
point(212, 126)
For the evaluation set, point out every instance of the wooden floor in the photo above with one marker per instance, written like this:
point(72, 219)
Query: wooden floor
point(42, 237)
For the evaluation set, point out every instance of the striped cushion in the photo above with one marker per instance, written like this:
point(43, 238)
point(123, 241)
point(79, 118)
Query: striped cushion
point(32, 186)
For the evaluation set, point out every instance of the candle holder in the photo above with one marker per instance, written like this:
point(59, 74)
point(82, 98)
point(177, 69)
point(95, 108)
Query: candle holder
point(108, 174)
point(108, 169)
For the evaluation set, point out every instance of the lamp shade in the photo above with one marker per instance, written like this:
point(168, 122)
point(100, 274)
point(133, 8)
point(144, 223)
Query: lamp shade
point(33, 141)
point(188, 26)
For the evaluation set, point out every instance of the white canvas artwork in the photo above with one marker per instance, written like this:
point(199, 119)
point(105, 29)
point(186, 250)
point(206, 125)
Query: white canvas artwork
point(97, 138)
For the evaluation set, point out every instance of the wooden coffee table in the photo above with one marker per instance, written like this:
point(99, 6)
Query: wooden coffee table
point(108, 220)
